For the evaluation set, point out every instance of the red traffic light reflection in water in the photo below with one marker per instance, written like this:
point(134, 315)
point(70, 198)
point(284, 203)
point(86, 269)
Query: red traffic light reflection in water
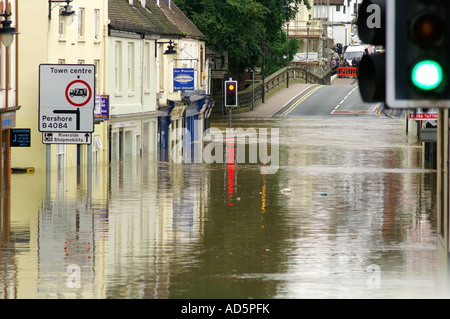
point(231, 171)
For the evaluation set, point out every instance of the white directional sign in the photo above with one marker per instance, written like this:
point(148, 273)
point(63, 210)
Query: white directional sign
point(66, 138)
point(66, 98)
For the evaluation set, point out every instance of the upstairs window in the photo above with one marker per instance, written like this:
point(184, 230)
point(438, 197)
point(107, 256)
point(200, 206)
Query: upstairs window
point(81, 22)
point(96, 24)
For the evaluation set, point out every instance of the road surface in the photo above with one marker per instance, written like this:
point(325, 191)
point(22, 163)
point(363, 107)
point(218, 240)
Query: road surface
point(341, 98)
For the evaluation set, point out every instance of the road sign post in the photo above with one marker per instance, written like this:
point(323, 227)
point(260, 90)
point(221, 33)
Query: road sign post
point(66, 108)
point(66, 98)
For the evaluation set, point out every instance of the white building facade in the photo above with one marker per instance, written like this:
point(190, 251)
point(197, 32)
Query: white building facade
point(132, 82)
point(340, 16)
point(50, 36)
point(185, 110)
point(148, 41)
point(131, 74)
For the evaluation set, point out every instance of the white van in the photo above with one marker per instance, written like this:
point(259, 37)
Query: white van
point(356, 51)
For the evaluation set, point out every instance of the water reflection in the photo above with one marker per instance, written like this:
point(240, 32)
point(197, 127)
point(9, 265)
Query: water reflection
point(358, 221)
point(376, 193)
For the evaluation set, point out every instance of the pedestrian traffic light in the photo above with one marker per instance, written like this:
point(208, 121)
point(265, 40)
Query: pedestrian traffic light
point(372, 32)
point(230, 93)
point(418, 48)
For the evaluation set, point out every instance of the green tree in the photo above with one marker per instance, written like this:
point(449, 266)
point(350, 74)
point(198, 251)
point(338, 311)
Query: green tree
point(276, 57)
point(240, 27)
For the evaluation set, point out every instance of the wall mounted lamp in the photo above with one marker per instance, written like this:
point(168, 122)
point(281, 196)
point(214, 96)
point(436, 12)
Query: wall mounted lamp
point(7, 32)
point(66, 12)
point(170, 47)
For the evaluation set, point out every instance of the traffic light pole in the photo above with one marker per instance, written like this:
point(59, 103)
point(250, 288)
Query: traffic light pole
point(443, 247)
point(231, 96)
point(414, 72)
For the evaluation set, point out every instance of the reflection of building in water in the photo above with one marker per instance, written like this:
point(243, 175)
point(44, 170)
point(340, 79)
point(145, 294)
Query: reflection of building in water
point(8, 273)
point(71, 233)
point(68, 226)
point(65, 238)
point(153, 208)
point(373, 205)
point(189, 202)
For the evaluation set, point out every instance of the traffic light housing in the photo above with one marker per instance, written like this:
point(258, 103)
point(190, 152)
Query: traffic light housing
point(372, 69)
point(418, 60)
point(231, 97)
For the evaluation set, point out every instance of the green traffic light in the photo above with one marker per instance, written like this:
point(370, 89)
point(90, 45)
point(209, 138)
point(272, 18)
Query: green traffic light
point(427, 75)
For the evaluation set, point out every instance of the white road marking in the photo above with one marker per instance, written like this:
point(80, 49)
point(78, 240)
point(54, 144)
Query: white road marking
point(340, 103)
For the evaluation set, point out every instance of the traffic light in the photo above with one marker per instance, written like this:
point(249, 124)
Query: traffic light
point(418, 54)
point(231, 93)
point(372, 32)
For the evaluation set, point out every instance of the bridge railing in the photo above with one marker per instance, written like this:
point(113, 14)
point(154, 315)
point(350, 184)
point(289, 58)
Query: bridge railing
point(252, 95)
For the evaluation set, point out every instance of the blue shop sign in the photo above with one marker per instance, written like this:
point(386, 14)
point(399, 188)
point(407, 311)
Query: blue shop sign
point(101, 110)
point(183, 79)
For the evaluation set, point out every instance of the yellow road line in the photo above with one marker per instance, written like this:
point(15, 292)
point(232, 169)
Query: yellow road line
point(293, 106)
point(378, 110)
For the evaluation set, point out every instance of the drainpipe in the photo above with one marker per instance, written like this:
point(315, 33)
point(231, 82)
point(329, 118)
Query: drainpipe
point(104, 83)
point(142, 71)
point(105, 56)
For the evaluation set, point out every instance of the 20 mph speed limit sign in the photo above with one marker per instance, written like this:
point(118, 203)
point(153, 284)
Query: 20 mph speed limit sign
point(66, 98)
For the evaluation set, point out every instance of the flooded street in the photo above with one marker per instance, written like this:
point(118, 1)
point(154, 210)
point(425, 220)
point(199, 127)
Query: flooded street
point(349, 213)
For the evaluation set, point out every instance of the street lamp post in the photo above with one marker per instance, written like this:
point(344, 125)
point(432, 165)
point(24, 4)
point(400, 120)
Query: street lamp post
point(7, 32)
point(287, 59)
point(324, 43)
point(307, 50)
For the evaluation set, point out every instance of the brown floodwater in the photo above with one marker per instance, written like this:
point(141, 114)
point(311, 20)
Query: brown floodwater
point(347, 212)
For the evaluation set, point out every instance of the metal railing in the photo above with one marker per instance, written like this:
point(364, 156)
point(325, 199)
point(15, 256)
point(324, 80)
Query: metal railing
point(254, 95)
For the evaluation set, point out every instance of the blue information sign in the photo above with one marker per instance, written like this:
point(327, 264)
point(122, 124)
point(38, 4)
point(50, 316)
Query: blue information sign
point(20, 137)
point(101, 110)
point(183, 80)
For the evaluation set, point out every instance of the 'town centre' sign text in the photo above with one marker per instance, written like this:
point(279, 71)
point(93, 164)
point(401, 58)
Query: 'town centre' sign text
point(66, 98)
